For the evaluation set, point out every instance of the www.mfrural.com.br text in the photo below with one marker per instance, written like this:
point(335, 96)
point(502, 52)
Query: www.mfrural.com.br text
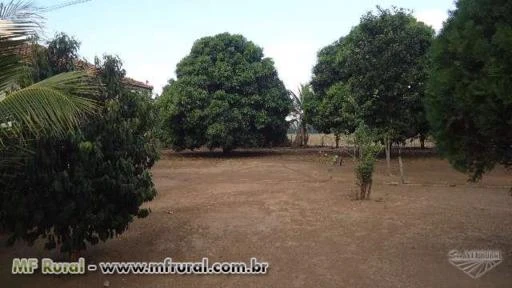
point(167, 266)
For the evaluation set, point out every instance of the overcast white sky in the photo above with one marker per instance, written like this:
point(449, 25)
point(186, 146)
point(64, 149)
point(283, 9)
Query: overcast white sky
point(151, 37)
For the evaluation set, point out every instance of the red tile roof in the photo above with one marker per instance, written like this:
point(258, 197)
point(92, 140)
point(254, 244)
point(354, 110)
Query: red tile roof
point(25, 51)
point(135, 83)
point(83, 64)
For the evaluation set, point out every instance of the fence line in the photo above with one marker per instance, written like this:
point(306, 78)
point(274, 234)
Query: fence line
point(328, 140)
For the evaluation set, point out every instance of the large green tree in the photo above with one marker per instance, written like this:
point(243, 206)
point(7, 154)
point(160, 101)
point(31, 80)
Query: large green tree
point(88, 185)
point(387, 62)
point(376, 74)
point(324, 109)
point(470, 99)
point(227, 95)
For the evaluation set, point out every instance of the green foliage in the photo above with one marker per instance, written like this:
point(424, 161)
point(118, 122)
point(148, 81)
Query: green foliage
point(53, 106)
point(62, 53)
point(300, 119)
point(325, 108)
point(298, 113)
point(387, 60)
point(337, 111)
point(368, 150)
point(89, 185)
point(39, 65)
point(470, 103)
point(50, 107)
point(368, 147)
point(376, 74)
point(329, 69)
point(226, 95)
point(60, 56)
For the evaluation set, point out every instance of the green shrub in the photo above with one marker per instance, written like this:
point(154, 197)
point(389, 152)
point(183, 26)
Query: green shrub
point(368, 149)
point(87, 186)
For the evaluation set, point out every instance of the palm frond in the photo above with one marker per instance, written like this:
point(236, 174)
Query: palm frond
point(73, 83)
point(53, 106)
point(18, 23)
point(295, 98)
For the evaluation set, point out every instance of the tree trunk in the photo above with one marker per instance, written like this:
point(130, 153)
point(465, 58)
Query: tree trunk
point(388, 154)
point(305, 136)
point(400, 163)
point(369, 191)
point(365, 189)
point(297, 142)
point(362, 192)
point(301, 136)
point(337, 139)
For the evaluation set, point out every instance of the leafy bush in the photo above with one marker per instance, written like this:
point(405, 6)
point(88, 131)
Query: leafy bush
point(87, 186)
point(368, 149)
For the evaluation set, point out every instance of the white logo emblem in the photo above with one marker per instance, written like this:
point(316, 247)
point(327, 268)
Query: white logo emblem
point(475, 263)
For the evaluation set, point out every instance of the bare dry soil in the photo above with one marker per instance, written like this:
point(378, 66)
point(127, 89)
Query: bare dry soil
point(296, 212)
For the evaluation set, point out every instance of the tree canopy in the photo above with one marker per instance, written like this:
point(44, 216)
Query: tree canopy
point(469, 99)
point(375, 74)
point(387, 64)
point(62, 53)
point(324, 109)
point(227, 95)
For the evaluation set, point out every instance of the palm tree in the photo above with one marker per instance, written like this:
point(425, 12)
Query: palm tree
point(298, 115)
point(51, 107)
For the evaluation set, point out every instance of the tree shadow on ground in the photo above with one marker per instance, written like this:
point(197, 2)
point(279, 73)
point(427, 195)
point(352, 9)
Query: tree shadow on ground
point(265, 152)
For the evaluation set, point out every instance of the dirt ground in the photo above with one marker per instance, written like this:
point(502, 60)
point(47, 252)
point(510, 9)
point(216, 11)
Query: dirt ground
point(296, 212)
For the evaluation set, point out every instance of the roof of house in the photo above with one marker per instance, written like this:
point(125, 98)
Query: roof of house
point(25, 50)
point(134, 83)
point(83, 64)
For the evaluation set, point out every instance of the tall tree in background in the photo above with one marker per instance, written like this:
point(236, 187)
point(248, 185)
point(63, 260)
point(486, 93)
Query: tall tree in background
point(470, 99)
point(386, 62)
point(62, 53)
point(329, 68)
point(59, 56)
point(226, 95)
point(325, 108)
